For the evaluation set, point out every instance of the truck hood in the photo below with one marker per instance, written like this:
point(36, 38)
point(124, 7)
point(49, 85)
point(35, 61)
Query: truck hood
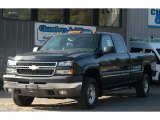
point(51, 56)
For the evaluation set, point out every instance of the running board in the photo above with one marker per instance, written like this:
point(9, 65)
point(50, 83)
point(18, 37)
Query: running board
point(115, 89)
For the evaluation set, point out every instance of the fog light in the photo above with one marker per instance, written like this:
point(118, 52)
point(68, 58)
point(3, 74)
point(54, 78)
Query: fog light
point(11, 70)
point(62, 92)
point(9, 90)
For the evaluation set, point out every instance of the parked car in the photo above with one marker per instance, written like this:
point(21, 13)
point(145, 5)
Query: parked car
point(145, 45)
point(82, 66)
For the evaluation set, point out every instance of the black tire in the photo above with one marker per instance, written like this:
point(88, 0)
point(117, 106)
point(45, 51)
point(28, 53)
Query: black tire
point(143, 86)
point(22, 100)
point(89, 94)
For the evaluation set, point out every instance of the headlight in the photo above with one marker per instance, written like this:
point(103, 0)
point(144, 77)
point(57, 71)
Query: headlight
point(11, 63)
point(11, 70)
point(65, 72)
point(65, 63)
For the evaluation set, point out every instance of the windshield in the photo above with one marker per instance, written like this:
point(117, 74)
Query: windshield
point(82, 42)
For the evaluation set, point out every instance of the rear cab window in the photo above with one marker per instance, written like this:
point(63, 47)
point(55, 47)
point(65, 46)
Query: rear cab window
point(119, 44)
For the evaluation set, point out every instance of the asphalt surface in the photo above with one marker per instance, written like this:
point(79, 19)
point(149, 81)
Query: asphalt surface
point(124, 100)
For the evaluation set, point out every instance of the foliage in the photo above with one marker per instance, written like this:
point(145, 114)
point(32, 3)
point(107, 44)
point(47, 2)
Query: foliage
point(81, 16)
point(50, 15)
point(109, 17)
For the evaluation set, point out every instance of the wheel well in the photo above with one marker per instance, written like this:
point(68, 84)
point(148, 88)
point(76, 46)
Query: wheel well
point(147, 70)
point(95, 73)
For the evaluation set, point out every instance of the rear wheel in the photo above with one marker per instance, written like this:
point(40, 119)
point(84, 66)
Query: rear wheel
point(22, 100)
point(143, 86)
point(89, 94)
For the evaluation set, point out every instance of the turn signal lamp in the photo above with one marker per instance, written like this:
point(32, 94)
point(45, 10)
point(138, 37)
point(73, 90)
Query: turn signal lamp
point(75, 32)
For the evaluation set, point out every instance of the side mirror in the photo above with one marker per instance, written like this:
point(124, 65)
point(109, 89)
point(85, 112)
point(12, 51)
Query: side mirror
point(35, 49)
point(108, 49)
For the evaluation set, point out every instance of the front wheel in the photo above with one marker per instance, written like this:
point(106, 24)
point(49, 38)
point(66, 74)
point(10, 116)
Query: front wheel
point(22, 100)
point(89, 94)
point(143, 86)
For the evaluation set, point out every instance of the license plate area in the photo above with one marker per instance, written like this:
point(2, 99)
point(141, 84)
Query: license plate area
point(32, 86)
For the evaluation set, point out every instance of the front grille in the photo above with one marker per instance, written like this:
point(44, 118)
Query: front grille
point(35, 72)
point(36, 68)
point(37, 64)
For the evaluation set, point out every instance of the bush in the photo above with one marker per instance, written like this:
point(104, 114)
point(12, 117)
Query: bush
point(1, 84)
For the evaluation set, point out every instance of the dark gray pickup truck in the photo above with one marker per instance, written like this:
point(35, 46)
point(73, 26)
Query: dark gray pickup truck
point(82, 66)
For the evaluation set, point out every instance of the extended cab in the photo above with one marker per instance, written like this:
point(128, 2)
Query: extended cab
point(80, 66)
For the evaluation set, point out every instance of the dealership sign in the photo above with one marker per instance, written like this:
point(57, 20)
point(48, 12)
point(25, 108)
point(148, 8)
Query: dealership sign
point(44, 31)
point(154, 17)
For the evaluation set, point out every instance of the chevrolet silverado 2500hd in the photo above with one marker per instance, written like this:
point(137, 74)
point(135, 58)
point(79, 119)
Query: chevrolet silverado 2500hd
point(80, 66)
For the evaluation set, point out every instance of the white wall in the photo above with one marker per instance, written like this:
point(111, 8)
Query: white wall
point(137, 21)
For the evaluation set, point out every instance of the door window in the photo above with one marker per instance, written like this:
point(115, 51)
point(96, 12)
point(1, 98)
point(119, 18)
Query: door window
point(107, 41)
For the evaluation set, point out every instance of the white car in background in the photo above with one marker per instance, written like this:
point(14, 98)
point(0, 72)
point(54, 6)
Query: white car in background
point(146, 46)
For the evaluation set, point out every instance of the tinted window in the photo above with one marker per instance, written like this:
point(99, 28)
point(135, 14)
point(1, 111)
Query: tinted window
point(106, 41)
point(148, 51)
point(135, 50)
point(71, 43)
point(120, 47)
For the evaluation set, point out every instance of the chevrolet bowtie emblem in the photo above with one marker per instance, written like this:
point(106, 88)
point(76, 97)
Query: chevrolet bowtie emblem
point(33, 67)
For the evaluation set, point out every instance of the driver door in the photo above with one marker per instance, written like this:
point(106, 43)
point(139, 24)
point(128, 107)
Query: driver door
point(109, 65)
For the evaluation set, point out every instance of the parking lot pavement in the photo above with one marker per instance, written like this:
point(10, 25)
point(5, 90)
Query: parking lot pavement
point(125, 100)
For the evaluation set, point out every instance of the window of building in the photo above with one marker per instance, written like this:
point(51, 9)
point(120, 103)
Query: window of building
point(109, 17)
point(23, 14)
point(81, 16)
point(50, 15)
